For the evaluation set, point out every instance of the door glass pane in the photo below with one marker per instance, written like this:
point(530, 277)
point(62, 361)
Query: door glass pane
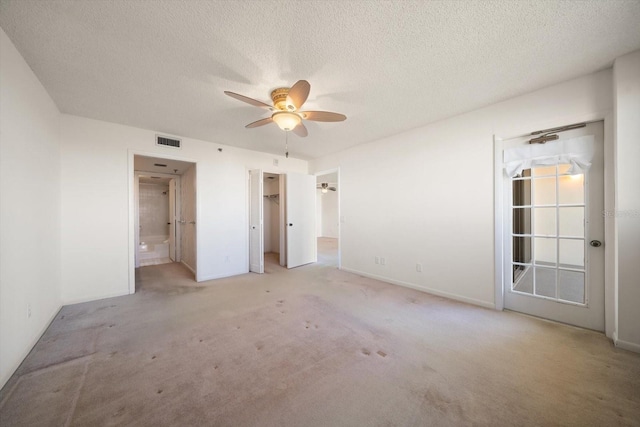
point(572, 253)
point(572, 222)
point(563, 169)
point(571, 189)
point(544, 191)
point(521, 192)
point(522, 250)
point(571, 286)
point(545, 251)
point(546, 282)
point(523, 279)
point(545, 221)
point(521, 221)
point(544, 171)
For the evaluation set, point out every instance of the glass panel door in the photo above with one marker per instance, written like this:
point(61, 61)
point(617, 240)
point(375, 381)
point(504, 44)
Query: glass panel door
point(548, 234)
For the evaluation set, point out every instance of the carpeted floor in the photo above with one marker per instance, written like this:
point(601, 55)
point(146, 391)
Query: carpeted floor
point(313, 346)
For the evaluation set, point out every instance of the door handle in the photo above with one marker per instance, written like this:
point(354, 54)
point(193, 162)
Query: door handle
point(290, 224)
point(192, 222)
point(595, 243)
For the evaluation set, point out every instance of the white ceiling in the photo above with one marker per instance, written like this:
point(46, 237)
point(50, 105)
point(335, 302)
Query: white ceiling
point(389, 66)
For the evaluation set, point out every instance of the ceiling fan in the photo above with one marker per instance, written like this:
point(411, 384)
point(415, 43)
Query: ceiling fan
point(287, 103)
point(325, 187)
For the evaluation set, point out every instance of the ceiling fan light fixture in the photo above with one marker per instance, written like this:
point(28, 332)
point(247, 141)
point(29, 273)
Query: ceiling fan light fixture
point(324, 190)
point(286, 120)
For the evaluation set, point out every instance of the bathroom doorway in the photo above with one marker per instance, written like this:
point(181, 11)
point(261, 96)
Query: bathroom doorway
point(158, 207)
point(164, 212)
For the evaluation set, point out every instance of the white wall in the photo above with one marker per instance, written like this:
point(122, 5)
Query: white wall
point(329, 210)
point(627, 209)
point(96, 188)
point(426, 196)
point(29, 209)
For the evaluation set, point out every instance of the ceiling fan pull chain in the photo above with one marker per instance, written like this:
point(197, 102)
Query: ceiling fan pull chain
point(286, 144)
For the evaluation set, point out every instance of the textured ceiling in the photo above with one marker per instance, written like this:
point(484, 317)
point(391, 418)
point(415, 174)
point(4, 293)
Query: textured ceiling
point(388, 65)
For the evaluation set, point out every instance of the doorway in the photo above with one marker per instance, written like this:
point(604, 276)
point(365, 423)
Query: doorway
point(296, 203)
point(272, 220)
point(553, 230)
point(328, 217)
point(164, 213)
point(158, 204)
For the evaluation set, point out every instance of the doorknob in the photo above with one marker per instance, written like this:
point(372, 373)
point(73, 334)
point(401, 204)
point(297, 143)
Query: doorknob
point(290, 225)
point(595, 243)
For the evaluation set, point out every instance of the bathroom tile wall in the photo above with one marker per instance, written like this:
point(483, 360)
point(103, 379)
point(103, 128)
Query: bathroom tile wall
point(154, 210)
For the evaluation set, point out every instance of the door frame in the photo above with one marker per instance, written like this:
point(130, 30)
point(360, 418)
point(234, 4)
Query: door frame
point(610, 291)
point(131, 185)
point(281, 175)
point(259, 199)
point(178, 207)
point(340, 219)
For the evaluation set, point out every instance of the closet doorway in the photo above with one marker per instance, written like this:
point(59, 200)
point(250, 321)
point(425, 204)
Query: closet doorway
point(296, 205)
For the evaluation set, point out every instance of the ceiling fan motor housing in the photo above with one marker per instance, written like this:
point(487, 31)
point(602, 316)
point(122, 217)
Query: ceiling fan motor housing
point(279, 98)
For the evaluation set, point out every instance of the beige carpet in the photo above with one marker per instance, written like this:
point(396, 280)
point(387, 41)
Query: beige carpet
point(313, 346)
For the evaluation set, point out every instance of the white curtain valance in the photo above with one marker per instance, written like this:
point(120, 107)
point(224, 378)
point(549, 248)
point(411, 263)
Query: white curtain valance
point(578, 152)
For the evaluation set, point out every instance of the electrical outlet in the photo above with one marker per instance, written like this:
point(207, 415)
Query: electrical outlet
point(227, 258)
point(419, 268)
point(377, 260)
point(382, 261)
point(28, 311)
point(275, 162)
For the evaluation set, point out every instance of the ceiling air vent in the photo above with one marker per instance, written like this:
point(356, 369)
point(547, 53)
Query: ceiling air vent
point(168, 142)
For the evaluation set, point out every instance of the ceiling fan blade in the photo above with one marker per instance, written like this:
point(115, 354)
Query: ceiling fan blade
point(248, 100)
point(300, 130)
point(260, 122)
point(298, 94)
point(323, 116)
point(332, 188)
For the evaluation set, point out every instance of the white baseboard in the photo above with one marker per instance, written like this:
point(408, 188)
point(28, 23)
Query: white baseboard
point(9, 372)
point(222, 276)
point(626, 345)
point(189, 267)
point(423, 289)
point(71, 301)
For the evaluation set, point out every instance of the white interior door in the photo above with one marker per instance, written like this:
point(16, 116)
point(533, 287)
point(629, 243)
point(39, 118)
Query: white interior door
point(172, 220)
point(256, 222)
point(554, 264)
point(301, 219)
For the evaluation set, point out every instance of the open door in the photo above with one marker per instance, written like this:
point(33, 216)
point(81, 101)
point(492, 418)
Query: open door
point(256, 232)
point(301, 219)
point(172, 220)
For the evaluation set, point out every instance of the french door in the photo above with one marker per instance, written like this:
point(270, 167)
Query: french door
point(554, 230)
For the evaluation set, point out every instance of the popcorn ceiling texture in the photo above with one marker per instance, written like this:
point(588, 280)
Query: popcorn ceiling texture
point(389, 66)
